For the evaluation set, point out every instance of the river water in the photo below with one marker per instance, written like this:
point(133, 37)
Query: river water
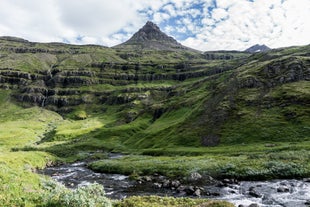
point(275, 193)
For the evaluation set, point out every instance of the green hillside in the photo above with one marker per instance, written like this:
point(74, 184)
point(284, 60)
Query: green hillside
point(222, 113)
point(165, 98)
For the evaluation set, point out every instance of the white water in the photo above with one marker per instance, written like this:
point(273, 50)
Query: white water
point(298, 193)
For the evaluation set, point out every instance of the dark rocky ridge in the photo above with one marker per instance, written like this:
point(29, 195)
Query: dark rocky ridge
point(257, 48)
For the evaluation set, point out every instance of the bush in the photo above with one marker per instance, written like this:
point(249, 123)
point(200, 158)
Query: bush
point(80, 115)
point(285, 170)
point(228, 170)
point(85, 196)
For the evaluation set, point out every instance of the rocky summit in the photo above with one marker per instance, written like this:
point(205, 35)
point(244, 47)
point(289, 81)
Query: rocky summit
point(257, 48)
point(151, 37)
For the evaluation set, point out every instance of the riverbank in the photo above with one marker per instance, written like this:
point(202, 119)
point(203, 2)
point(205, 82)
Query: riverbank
point(272, 193)
point(219, 172)
point(241, 162)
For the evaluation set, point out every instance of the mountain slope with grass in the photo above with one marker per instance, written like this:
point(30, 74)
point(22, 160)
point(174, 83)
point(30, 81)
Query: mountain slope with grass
point(162, 97)
point(151, 96)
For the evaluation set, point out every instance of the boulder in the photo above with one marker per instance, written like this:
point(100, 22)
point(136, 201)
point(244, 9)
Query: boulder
point(175, 183)
point(195, 176)
point(253, 193)
point(283, 189)
point(157, 185)
point(254, 205)
point(197, 192)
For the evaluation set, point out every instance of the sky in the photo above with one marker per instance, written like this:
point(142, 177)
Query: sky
point(200, 24)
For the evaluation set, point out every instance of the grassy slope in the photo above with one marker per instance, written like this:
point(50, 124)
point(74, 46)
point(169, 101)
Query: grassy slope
point(265, 134)
point(20, 186)
point(19, 128)
point(254, 120)
point(262, 140)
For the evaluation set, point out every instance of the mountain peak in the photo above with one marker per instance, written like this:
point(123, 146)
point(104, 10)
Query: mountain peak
point(150, 25)
point(149, 32)
point(257, 48)
point(151, 37)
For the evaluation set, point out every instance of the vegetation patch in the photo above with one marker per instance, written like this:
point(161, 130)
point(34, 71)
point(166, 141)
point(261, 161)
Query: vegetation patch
point(241, 163)
point(155, 201)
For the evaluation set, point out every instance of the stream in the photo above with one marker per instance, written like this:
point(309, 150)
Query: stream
point(275, 193)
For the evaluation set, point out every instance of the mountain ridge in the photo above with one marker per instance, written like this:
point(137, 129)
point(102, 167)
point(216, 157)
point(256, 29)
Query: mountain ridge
point(257, 48)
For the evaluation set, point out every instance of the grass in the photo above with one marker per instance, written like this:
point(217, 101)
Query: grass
point(20, 186)
point(19, 128)
point(69, 129)
point(249, 162)
point(155, 201)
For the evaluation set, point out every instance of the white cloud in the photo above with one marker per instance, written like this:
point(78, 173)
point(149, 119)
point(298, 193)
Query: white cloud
point(263, 21)
point(170, 9)
point(160, 17)
point(224, 4)
point(234, 24)
point(194, 12)
point(219, 14)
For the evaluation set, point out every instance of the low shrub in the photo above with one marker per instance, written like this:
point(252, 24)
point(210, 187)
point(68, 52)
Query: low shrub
point(85, 196)
point(285, 170)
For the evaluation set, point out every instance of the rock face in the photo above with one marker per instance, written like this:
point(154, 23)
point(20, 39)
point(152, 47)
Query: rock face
point(257, 48)
point(151, 37)
point(151, 31)
point(278, 72)
point(59, 88)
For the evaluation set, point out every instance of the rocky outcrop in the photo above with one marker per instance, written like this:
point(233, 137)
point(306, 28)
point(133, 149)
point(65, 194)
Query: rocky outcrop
point(278, 72)
point(215, 56)
point(14, 77)
point(250, 82)
point(285, 71)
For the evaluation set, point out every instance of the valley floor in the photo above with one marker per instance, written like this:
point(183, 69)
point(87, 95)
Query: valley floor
point(33, 138)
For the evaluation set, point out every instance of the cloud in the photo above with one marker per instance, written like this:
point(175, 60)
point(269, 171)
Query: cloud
point(170, 9)
point(201, 24)
point(219, 14)
point(160, 17)
point(238, 24)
